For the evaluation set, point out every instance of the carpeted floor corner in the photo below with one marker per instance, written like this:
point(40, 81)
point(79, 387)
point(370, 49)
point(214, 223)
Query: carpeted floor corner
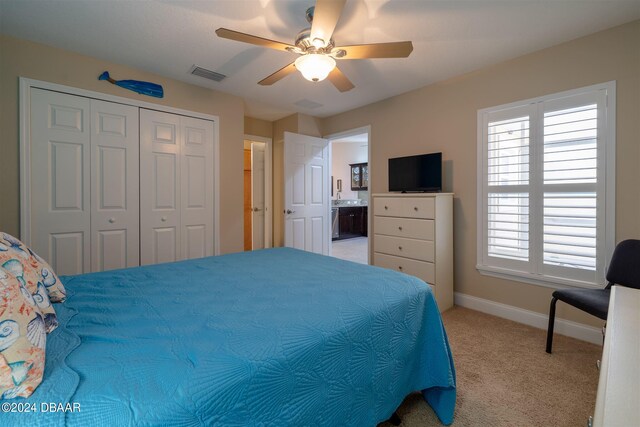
point(505, 377)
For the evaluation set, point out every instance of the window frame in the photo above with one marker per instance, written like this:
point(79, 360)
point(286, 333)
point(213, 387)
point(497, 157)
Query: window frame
point(535, 271)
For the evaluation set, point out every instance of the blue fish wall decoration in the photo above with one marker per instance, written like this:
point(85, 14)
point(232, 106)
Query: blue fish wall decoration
point(143, 88)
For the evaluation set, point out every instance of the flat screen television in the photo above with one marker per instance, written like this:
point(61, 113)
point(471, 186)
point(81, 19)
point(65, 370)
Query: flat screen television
point(421, 173)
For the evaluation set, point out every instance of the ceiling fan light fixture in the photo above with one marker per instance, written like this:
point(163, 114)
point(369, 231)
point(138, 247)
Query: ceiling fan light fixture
point(315, 67)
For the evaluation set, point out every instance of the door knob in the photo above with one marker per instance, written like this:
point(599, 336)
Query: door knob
point(112, 220)
point(289, 211)
point(257, 209)
point(163, 219)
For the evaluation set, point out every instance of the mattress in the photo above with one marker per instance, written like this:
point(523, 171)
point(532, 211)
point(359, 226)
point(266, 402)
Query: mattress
point(271, 337)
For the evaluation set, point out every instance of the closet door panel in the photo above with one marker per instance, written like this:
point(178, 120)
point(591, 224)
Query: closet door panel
point(160, 195)
point(164, 244)
point(115, 181)
point(110, 249)
point(196, 188)
point(60, 180)
point(196, 244)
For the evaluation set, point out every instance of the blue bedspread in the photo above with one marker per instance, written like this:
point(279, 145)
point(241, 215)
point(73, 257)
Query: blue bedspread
point(273, 337)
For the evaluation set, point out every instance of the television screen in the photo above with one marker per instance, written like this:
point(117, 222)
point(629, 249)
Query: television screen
point(420, 173)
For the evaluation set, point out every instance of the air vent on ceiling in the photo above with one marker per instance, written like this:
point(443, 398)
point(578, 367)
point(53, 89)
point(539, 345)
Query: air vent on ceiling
point(207, 74)
point(307, 103)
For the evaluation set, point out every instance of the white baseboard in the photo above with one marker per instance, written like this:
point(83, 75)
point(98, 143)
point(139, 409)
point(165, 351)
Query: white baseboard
point(531, 318)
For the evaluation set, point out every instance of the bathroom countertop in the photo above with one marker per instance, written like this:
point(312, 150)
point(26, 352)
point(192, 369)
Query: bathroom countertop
point(348, 203)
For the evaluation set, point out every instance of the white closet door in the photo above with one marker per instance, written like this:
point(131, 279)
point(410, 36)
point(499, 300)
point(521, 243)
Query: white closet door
point(115, 186)
point(60, 180)
point(159, 187)
point(196, 183)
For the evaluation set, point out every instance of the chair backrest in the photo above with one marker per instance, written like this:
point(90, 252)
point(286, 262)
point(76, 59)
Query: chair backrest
point(624, 268)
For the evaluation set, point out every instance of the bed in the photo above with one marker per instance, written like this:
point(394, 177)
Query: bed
point(271, 337)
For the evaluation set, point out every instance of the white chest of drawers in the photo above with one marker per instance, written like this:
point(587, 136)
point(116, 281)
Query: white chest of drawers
point(413, 233)
point(619, 385)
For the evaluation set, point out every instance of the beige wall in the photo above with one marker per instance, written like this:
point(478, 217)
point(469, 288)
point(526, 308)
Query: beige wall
point(442, 117)
point(258, 127)
point(26, 59)
point(308, 125)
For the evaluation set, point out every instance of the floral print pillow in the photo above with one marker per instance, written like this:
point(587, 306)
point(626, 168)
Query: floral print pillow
point(24, 265)
point(43, 272)
point(22, 339)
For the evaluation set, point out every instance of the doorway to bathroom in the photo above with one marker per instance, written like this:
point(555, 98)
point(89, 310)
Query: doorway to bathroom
point(350, 172)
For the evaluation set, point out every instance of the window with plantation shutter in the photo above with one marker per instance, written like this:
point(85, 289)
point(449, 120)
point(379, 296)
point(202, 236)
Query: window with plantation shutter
point(546, 188)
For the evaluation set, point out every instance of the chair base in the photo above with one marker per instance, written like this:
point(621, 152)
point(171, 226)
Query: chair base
point(552, 318)
point(395, 419)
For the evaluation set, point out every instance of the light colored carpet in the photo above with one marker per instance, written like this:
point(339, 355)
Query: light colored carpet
point(350, 249)
point(505, 377)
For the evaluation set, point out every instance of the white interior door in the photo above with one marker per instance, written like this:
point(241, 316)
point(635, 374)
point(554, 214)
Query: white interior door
point(258, 195)
point(196, 183)
point(60, 180)
point(115, 186)
point(159, 187)
point(306, 193)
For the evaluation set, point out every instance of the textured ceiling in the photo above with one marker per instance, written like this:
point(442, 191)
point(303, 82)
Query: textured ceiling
point(168, 37)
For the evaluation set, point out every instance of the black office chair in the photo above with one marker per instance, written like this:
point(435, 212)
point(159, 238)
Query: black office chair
point(624, 270)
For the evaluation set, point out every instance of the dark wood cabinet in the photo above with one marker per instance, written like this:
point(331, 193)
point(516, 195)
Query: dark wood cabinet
point(353, 221)
point(365, 220)
point(359, 176)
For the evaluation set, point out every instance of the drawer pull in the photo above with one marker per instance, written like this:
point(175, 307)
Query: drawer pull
point(415, 208)
point(400, 228)
point(400, 247)
point(386, 207)
point(400, 267)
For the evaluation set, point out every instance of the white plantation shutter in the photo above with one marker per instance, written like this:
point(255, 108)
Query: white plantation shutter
point(508, 186)
point(544, 214)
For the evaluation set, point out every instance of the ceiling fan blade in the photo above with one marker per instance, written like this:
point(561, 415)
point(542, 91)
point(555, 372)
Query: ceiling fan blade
point(278, 75)
point(325, 18)
point(340, 81)
point(248, 38)
point(376, 50)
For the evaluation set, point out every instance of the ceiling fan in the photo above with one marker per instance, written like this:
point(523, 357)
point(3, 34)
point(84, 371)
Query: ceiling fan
point(317, 50)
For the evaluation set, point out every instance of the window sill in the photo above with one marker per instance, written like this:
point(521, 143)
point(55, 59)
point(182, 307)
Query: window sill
point(535, 279)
